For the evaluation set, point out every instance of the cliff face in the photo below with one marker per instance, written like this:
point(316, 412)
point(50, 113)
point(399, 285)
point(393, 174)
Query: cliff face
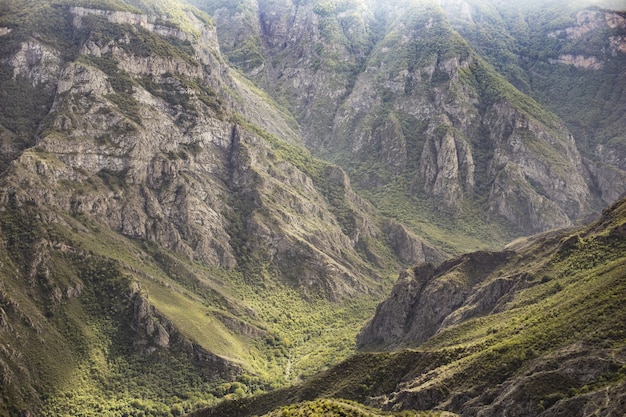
point(150, 143)
point(427, 298)
point(572, 62)
point(152, 194)
point(393, 92)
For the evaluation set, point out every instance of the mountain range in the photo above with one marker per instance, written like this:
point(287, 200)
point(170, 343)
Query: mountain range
point(208, 199)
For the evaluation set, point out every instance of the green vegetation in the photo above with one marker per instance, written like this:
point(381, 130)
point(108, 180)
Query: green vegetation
point(455, 230)
point(23, 108)
point(177, 13)
point(103, 368)
point(331, 7)
point(117, 5)
point(360, 377)
point(568, 303)
point(248, 55)
point(340, 408)
point(92, 310)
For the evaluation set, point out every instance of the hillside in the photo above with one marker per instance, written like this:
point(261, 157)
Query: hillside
point(417, 102)
point(167, 238)
point(536, 331)
point(204, 200)
point(570, 59)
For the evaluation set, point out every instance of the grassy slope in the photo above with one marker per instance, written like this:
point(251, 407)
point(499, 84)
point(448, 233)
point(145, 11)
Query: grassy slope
point(573, 299)
point(82, 345)
point(82, 349)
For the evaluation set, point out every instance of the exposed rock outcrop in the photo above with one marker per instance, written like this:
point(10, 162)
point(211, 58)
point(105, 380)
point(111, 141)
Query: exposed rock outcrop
point(153, 331)
point(580, 61)
point(147, 140)
point(427, 298)
point(38, 63)
point(403, 107)
point(410, 248)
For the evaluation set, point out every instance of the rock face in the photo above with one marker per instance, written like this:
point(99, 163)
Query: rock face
point(427, 298)
point(411, 100)
point(409, 247)
point(564, 70)
point(138, 155)
point(151, 136)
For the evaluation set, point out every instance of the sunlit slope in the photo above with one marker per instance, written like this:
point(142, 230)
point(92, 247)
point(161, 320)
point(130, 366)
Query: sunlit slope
point(167, 239)
point(550, 341)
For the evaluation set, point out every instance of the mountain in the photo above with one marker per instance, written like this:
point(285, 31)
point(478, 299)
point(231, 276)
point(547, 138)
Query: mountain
point(570, 59)
point(160, 212)
point(417, 99)
point(206, 199)
point(535, 330)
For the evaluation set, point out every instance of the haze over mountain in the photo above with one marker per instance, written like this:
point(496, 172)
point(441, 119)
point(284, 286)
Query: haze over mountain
point(207, 199)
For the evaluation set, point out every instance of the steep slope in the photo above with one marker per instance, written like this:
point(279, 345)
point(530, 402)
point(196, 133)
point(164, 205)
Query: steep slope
point(571, 58)
point(162, 225)
point(167, 240)
point(537, 330)
point(465, 133)
point(434, 135)
point(550, 309)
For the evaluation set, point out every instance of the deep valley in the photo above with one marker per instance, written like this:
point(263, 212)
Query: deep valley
point(312, 207)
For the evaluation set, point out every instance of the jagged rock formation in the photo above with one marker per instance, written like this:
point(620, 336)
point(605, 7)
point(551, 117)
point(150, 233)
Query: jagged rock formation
point(412, 100)
point(557, 62)
point(427, 298)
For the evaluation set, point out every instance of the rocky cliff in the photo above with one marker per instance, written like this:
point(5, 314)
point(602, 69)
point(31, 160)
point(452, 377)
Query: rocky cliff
point(159, 209)
point(394, 95)
point(427, 298)
point(154, 146)
point(571, 61)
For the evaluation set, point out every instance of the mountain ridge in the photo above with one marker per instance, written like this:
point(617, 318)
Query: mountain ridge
point(371, 131)
point(170, 236)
